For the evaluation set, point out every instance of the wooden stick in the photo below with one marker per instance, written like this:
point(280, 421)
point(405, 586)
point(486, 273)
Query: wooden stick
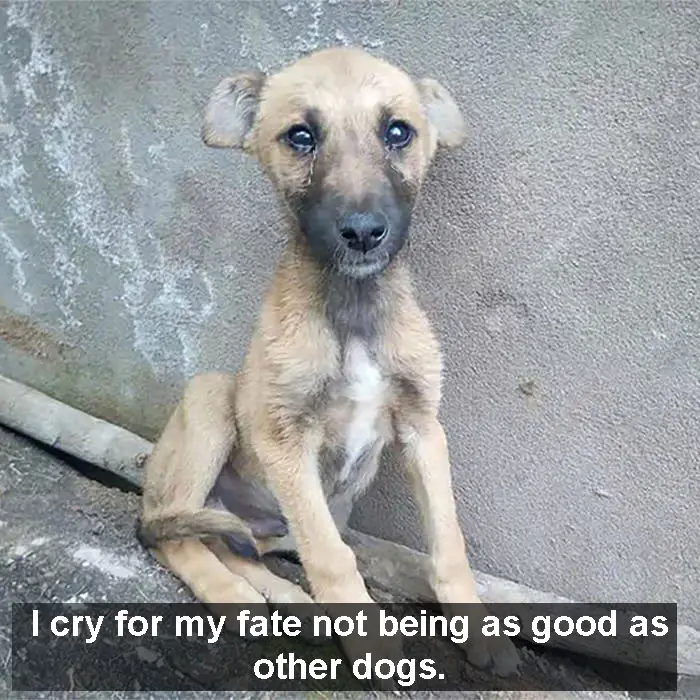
point(405, 572)
point(78, 434)
point(386, 565)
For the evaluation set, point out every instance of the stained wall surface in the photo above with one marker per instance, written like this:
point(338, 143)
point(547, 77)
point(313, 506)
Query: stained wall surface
point(557, 252)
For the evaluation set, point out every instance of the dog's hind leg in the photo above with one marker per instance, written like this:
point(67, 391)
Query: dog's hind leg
point(180, 474)
point(205, 575)
point(275, 589)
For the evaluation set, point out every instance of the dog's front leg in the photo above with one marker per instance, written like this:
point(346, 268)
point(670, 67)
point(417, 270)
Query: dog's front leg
point(330, 565)
point(426, 453)
point(291, 467)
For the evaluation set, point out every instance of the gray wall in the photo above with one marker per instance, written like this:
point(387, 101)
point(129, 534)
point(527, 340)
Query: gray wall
point(557, 252)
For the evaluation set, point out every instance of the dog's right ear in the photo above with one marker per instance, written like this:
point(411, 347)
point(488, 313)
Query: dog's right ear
point(443, 113)
point(230, 114)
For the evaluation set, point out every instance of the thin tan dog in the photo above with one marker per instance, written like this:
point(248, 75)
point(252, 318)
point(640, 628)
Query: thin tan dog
point(343, 361)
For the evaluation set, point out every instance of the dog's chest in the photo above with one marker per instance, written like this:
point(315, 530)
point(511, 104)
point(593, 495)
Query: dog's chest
point(357, 412)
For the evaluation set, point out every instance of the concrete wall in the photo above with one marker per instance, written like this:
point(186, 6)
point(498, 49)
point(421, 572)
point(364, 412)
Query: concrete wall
point(557, 252)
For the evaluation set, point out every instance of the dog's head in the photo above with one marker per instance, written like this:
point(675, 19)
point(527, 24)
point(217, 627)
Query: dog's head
point(346, 139)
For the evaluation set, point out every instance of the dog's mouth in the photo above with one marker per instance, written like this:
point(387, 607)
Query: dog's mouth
point(359, 266)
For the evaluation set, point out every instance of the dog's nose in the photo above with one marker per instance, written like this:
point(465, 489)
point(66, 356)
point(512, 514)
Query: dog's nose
point(363, 231)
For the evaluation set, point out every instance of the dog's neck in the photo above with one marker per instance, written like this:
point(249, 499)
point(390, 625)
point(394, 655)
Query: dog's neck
point(353, 307)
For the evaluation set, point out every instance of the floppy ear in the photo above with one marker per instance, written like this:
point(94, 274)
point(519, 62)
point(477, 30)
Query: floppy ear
point(230, 114)
point(442, 112)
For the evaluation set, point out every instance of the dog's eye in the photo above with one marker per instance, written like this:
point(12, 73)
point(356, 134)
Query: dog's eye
point(398, 135)
point(301, 139)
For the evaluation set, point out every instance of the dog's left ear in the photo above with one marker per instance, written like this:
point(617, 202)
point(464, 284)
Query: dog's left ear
point(442, 112)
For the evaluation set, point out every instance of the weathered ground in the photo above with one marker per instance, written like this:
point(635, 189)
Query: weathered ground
point(64, 537)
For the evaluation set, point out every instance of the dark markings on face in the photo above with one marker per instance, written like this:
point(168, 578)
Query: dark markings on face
point(353, 302)
point(320, 207)
point(312, 118)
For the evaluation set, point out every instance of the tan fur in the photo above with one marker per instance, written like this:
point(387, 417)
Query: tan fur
point(349, 87)
point(286, 403)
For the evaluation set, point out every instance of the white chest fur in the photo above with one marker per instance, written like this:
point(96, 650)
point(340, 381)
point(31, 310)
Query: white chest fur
point(364, 388)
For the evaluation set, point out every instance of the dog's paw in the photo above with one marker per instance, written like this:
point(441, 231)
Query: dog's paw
point(237, 593)
point(291, 599)
point(358, 648)
point(498, 654)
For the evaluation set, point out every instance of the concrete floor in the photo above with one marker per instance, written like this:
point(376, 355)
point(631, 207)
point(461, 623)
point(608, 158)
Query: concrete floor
point(64, 537)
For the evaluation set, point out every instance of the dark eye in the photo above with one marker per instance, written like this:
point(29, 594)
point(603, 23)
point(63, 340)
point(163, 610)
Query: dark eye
point(300, 139)
point(398, 135)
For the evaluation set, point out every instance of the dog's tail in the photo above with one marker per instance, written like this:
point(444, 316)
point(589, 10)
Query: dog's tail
point(206, 522)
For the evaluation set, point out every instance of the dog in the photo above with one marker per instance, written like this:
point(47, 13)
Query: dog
point(343, 361)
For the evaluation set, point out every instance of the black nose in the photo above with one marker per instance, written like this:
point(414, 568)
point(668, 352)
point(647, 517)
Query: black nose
point(363, 231)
